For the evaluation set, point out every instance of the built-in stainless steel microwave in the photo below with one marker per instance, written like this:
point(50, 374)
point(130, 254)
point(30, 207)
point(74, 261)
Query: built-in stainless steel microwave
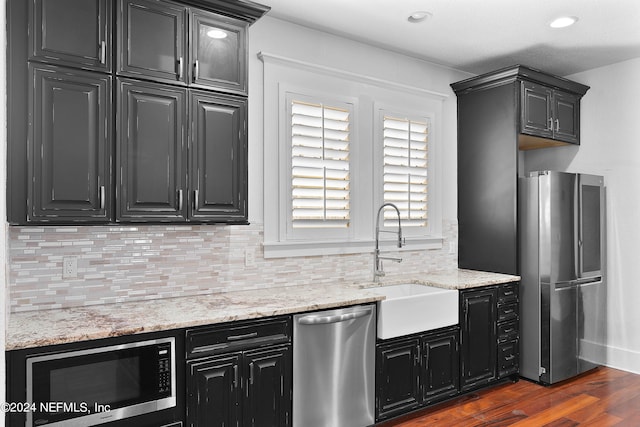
point(100, 385)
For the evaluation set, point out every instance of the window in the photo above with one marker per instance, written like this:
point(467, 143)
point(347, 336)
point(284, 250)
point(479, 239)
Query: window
point(319, 165)
point(337, 145)
point(405, 145)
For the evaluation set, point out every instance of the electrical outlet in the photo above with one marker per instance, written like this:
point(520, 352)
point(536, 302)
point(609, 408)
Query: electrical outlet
point(69, 267)
point(249, 257)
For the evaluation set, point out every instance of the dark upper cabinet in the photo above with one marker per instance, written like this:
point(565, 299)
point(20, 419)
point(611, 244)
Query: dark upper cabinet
point(69, 145)
point(151, 162)
point(218, 158)
point(478, 358)
point(550, 113)
point(152, 40)
point(71, 32)
point(218, 52)
point(174, 149)
point(155, 42)
point(501, 114)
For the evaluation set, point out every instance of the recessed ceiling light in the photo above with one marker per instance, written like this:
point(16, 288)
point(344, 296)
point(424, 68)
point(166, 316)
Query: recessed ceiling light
point(563, 21)
point(419, 16)
point(217, 33)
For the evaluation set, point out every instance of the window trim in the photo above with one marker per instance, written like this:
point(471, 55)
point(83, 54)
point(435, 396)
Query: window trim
point(282, 74)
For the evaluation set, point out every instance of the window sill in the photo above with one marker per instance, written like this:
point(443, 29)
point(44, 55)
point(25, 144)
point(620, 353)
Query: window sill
point(319, 248)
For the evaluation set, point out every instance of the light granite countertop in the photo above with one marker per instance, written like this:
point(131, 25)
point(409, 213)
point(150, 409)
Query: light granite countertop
point(49, 327)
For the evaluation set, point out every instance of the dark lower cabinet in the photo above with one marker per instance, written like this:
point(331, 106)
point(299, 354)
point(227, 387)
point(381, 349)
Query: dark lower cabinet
point(441, 366)
point(213, 391)
point(490, 333)
point(267, 400)
point(397, 377)
point(414, 371)
point(478, 337)
point(242, 375)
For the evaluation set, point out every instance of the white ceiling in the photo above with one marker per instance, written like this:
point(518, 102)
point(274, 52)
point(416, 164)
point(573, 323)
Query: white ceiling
point(479, 36)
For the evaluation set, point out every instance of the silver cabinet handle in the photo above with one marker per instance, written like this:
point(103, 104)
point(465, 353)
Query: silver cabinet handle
point(195, 199)
point(242, 337)
point(180, 200)
point(102, 196)
point(196, 70)
point(323, 320)
point(550, 124)
point(180, 68)
point(557, 125)
point(103, 52)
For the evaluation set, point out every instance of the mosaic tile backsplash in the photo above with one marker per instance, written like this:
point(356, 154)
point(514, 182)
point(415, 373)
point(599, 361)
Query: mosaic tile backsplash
point(126, 263)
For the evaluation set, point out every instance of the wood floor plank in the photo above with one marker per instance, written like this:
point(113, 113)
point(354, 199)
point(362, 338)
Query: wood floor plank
point(600, 398)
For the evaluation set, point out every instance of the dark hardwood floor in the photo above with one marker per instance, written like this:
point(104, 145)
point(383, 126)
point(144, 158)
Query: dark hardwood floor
point(602, 397)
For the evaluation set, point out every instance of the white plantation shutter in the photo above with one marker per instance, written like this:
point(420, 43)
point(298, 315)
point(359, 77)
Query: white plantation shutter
point(405, 144)
point(319, 165)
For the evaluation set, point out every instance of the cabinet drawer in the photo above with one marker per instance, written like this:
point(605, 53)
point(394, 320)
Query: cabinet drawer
point(237, 336)
point(508, 358)
point(508, 331)
point(508, 312)
point(508, 293)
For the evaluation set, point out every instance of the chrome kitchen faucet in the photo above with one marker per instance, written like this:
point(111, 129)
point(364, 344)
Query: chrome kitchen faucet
point(378, 270)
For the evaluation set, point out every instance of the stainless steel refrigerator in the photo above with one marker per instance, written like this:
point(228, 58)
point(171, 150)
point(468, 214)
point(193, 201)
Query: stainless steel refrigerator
point(562, 264)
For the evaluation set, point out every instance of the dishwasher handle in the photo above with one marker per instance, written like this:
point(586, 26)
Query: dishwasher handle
point(323, 320)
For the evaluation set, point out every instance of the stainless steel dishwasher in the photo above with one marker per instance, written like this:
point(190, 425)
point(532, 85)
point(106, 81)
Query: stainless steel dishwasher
point(334, 367)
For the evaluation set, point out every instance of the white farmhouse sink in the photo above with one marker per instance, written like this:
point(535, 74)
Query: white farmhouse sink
point(411, 308)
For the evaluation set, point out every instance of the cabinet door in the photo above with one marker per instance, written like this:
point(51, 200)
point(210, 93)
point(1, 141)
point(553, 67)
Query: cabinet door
point(152, 40)
point(537, 114)
point(267, 399)
point(440, 366)
point(566, 113)
point(478, 337)
point(213, 392)
point(397, 377)
point(69, 145)
point(71, 32)
point(218, 52)
point(151, 181)
point(218, 158)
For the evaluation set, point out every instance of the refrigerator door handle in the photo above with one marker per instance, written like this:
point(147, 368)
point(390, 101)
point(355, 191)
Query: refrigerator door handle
point(577, 229)
point(576, 282)
point(565, 284)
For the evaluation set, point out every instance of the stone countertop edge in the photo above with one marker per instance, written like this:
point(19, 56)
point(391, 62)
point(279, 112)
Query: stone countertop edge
point(450, 279)
point(30, 329)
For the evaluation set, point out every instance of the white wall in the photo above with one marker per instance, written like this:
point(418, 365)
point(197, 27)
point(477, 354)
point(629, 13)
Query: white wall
point(610, 146)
